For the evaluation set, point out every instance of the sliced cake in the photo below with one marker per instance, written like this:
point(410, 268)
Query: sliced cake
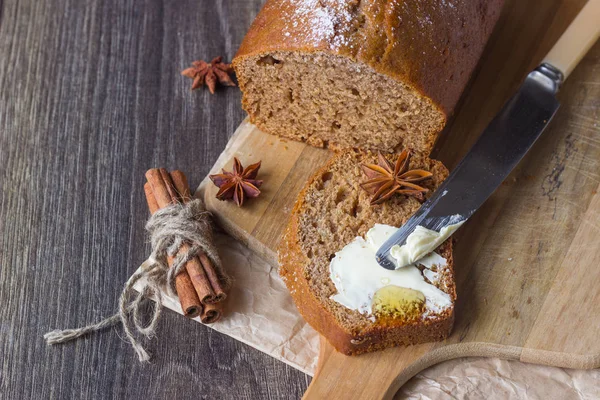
point(327, 255)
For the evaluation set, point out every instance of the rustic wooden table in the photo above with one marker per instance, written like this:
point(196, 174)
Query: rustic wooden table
point(91, 97)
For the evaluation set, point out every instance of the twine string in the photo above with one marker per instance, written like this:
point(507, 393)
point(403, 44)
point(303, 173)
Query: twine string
point(169, 229)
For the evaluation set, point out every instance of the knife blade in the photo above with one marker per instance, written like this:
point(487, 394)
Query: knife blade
point(504, 142)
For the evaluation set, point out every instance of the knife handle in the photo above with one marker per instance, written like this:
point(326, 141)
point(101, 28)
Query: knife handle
point(581, 34)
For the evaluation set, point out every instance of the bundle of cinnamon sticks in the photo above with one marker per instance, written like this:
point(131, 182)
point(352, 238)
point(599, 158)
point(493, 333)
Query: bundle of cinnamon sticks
point(199, 288)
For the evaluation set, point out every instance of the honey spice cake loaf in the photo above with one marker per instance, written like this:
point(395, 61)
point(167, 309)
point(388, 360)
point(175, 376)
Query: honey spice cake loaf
point(361, 77)
point(368, 74)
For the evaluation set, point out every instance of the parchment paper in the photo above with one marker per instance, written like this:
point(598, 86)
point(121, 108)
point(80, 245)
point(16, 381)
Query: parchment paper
point(261, 313)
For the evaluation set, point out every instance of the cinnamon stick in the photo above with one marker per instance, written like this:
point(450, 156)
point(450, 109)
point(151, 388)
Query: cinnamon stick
point(211, 313)
point(150, 199)
point(181, 185)
point(165, 193)
point(190, 303)
point(213, 278)
point(183, 190)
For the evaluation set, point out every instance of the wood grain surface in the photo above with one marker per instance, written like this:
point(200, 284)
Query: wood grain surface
point(525, 263)
point(91, 97)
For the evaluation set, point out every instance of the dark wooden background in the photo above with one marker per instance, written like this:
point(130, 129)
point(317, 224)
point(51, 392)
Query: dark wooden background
point(91, 97)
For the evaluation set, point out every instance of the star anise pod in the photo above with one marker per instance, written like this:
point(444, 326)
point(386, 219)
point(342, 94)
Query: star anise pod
point(238, 184)
point(209, 73)
point(386, 179)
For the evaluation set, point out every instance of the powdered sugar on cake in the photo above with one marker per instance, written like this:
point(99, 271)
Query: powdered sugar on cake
point(334, 22)
point(322, 21)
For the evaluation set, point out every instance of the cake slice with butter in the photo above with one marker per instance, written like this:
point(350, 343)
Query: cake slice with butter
point(327, 260)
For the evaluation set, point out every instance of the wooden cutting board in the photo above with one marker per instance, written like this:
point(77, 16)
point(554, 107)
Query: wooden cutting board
point(527, 264)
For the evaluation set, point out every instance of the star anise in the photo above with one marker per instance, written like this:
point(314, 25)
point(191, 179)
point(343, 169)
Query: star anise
point(238, 184)
point(209, 73)
point(386, 179)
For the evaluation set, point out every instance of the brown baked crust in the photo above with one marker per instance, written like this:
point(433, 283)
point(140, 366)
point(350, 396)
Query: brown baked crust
point(431, 46)
point(377, 336)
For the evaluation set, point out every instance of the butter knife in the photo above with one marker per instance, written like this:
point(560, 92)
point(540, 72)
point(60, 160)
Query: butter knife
point(507, 138)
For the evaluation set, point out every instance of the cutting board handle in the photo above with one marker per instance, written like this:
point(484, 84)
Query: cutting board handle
point(577, 39)
point(369, 376)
